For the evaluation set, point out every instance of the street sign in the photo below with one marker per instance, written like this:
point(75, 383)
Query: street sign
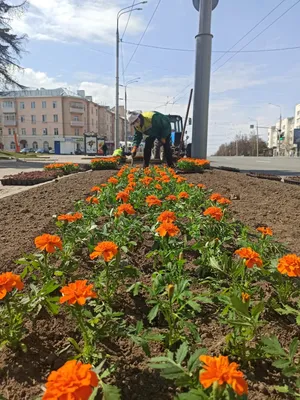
point(197, 4)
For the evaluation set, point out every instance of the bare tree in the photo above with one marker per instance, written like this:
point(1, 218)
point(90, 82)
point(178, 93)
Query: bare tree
point(243, 144)
point(10, 44)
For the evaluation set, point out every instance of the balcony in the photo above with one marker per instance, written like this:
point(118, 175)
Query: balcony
point(8, 109)
point(77, 124)
point(9, 122)
point(76, 110)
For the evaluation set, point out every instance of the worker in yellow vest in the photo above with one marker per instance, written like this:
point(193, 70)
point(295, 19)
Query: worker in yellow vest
point(155, 126)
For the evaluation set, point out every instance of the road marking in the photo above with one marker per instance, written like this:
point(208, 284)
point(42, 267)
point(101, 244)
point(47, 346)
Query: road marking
point(268, 162)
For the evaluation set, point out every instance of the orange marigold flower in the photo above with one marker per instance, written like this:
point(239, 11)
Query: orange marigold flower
point(201, 186)
point(171, 197)
point(183, 195)
point(74, 381)
point(191, 185)
point(250, 256)
point(92, 200)
point(245, 297)
point(70, 217)
point(216, 196)
point(223, 200)
point(48, 242)
point(125, 209)
point(166, 179)
point(158, 179)
point(265, 231)
point(218, 369)
point(158, 187)
point(130, 177)
point(167, 216)
point(8, 282)
point(77, 292)
point(107, 250)
point(124, 196)
point(153, 201)
point(214, 212)
point(147, 171)
point(167, 228)
point(96, 189)
point(103, 184)
point(180, 179)
point(289, 265)
point(146, 181)
point(113, 180)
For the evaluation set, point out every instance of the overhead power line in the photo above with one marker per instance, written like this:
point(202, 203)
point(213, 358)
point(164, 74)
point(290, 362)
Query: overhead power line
point(247, 44)
point(214, 51)
point(129, 16)
point(251, 30)
point(144, 33)
point(260, 33)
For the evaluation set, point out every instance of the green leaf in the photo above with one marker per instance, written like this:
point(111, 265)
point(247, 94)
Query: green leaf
point(111, 392)
point(94, 394)
point(53, 305)
point(298, 320)
point(293, 348)
point(194, 361)
point(125, 249)
point(256, 310)
point(153, 313)
point(195, 394)
point(182, 352)
point(289, 371)
point(195, 306)
point(75, 344)
point(239, 306)
point(282, 389)
point(160, 359)
point(272, 346)
point(281, 364)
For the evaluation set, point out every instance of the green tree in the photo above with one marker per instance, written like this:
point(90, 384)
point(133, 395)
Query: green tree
point(11, 45)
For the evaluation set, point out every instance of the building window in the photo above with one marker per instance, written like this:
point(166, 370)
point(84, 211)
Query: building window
point(55, 104)
point(45, 131)
point(9, 131)
point(56, 132)
point(92, 122)
point(33, 104)
point(23, 131)
point(9, 117)
point(44, 118)
point(92, 111)
point(55, 118)
point(33, 119)
point(34, 145)
point(44, 104)
point(76, 118)
point(12, 145)
point(97, 111)
point(33, 131)
point(76, 131)
point(22, 105)
point(22, 118)
point(46, 146)
point(8, 104)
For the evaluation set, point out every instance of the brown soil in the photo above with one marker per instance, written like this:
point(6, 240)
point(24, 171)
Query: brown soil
point(29, 214)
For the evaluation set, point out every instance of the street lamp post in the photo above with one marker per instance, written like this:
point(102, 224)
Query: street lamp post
point(123, 11)
point(280, 123)
point(125, 122)
point(202, 77)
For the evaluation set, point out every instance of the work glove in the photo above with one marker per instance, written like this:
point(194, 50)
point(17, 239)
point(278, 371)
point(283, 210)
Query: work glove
point(133, 151)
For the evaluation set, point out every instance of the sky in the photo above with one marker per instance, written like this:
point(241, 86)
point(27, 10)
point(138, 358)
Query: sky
point(71, 43)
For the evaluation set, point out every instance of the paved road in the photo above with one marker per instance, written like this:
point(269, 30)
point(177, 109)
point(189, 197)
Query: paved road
point(270, 165)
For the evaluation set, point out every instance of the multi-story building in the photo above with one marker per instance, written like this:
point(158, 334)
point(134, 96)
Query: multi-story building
point(272, 137)
point(52, 119)
point(284, 146)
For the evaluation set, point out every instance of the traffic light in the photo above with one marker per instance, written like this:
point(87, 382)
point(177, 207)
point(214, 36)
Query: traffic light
point(281, 137)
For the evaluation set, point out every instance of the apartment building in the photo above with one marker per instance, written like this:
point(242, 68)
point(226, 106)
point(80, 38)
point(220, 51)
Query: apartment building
point(52, 119)
point(272, 137)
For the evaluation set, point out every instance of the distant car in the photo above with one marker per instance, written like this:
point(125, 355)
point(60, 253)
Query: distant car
point(43, 151)
point(78, 152)
point(27, 150)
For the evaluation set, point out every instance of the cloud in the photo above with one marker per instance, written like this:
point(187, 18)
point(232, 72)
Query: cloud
point(74, 20)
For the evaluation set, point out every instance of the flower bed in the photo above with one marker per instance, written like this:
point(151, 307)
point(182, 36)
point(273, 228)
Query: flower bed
point(30, 178)
point(155, 261)
point(192, 165)
point(66, 168)
point(104, 163)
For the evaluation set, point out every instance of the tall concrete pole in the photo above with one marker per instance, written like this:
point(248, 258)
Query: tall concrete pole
point(117, 134)
point(202, 78)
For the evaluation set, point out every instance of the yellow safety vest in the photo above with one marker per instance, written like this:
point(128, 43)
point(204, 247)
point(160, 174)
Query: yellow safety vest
point(117, 152)
point(147, 122)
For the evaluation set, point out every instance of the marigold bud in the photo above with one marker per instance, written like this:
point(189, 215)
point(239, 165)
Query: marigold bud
point(170, 291)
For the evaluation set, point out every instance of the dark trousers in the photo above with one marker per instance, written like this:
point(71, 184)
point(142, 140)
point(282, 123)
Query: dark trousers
point(167, 149)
